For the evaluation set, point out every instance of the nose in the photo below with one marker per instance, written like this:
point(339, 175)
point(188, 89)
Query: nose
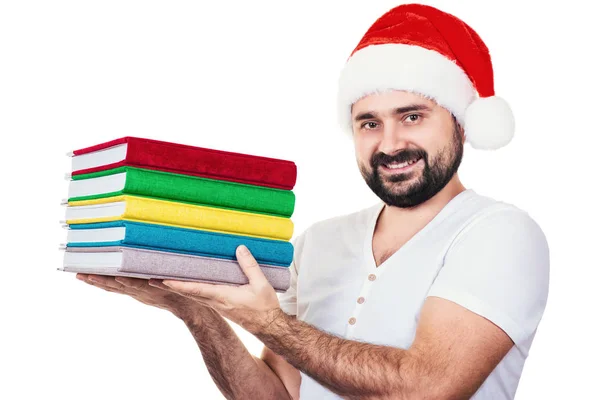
point(393, 139)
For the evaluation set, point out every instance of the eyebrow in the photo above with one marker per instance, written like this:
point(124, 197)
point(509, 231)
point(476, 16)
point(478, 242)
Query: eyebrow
point(400, 110)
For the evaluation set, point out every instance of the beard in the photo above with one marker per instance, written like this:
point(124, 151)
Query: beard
point(394, 190)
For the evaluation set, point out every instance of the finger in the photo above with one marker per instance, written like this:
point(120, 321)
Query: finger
point(157, 283)
point(196, 289)
point(108, 281)
point(249, 265)
point(103, 282)
point(104, 287)
point(133, 283)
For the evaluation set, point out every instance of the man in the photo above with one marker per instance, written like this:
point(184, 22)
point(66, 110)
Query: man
point(434, 293)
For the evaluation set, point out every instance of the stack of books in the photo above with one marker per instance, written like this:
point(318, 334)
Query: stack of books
point(152, 209)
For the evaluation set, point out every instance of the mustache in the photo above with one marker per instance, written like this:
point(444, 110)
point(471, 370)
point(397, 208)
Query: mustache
point(407, 155)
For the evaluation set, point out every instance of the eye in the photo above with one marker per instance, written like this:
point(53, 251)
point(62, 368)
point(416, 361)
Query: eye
point(412, 117)
point(369, 125)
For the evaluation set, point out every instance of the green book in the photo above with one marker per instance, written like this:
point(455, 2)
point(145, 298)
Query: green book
point(184, 188)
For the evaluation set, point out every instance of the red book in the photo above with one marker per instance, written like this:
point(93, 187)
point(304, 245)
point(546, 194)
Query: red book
point(187, 160)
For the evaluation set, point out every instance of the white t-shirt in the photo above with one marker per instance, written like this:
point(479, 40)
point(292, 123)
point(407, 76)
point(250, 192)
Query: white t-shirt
point(486, 255)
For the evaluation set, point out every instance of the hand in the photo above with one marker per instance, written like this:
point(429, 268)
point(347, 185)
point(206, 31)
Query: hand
point(252, 306)
point(159, 296)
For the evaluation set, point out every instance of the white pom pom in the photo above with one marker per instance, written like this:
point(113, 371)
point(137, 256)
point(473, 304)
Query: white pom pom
point(489, 123)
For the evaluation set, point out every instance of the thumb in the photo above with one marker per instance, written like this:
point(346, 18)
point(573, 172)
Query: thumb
point(249, 265)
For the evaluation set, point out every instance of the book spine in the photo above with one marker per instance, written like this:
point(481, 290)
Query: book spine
point(209, 192)
point(216, 219)
point(212, 244)
point(212, 164)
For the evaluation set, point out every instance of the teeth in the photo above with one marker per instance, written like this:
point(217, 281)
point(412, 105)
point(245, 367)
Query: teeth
point(404, 164)
point(394, 166)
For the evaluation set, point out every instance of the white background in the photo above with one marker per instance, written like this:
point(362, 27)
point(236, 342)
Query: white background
point(260, 78)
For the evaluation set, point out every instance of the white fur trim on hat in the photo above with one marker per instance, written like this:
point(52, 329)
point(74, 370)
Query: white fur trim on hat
point(383, 67)
point(489, 123)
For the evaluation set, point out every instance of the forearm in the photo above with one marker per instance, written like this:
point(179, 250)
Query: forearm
point(237, 373)
point(349, 368)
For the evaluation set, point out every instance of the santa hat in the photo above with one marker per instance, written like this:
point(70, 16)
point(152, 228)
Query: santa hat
point(421, 49)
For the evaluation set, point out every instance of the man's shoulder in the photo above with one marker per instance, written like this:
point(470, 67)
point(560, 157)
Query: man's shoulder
point(492, 215)
point(487, 206)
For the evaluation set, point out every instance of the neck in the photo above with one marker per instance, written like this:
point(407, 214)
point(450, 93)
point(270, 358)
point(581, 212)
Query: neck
point(392, 217)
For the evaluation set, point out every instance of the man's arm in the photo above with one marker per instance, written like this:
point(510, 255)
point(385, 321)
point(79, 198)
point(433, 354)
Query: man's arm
point(290, 376)
point(237, 373)
point(489, 295)
point(453, 352)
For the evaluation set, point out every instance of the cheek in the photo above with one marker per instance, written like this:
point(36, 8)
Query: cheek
point(364, 147)
point(363, 154)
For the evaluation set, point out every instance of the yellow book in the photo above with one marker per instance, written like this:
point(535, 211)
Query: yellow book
point(163, 212)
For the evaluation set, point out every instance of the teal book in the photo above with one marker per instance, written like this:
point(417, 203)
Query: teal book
point(178, 240)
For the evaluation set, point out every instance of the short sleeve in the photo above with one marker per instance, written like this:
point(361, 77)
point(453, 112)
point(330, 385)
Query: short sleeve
point(498, 267)
point(288, 299)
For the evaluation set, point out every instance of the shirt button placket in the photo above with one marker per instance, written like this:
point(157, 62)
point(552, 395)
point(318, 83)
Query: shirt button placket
point(365, 289)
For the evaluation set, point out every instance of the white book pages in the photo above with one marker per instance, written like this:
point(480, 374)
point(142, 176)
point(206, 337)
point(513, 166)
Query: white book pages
point(96, 235)
point(99, 158)
point(108, 259)
point(99, 185)
point(104, 210)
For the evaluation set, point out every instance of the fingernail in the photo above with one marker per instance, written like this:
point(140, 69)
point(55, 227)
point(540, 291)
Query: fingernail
point(243, 250)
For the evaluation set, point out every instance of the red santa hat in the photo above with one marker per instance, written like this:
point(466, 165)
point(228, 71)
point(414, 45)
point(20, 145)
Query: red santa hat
point(421, 49)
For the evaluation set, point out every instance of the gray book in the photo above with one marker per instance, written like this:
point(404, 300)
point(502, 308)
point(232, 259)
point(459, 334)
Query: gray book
point(146, 264)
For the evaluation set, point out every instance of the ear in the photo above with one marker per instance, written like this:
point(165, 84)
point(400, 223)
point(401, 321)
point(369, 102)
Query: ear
point(459, 127)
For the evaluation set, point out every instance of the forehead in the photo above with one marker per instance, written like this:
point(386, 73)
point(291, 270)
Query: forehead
point(387, 100)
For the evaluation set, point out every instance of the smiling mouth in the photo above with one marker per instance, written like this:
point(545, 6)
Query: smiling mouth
point(400, 167)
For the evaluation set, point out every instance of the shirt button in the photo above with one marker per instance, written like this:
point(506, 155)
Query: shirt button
point(360, 300)
point(372, 277)
point(352, 321)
